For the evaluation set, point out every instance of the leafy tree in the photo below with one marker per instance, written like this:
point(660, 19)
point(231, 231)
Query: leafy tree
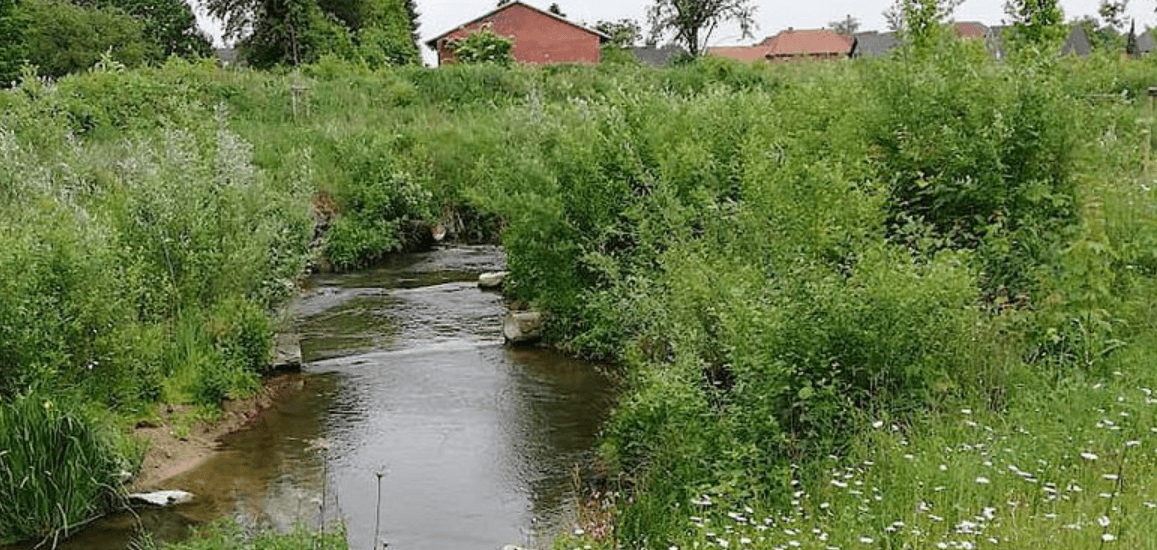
point(848, 25)
point(919, 21)
point(556, 10)
point(693, 21)
point(168, 23)
point(1036, 23)
point(61, 38)
point(412, 13)
point(13, 50)
point(300, 31)
point(1113, 12)
point(624, 33)
point(483, 46)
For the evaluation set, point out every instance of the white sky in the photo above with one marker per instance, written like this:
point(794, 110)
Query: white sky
point(438, 16)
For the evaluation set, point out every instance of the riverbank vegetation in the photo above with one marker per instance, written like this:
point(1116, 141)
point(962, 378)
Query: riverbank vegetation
point(906, 301)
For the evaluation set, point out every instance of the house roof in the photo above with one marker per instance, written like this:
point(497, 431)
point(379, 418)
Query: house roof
point(658, 57)
point(792, 43)
point(433, 42)
point(1077, 42)
point(1145, 42)
point(871, 44)
point(971, 29)
point(741, 53)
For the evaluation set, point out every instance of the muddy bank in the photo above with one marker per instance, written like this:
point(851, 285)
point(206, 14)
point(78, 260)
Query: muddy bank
point(172, 452)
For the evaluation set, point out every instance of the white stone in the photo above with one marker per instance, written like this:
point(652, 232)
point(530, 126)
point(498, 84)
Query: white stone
point(162, 498)
point(491, 280)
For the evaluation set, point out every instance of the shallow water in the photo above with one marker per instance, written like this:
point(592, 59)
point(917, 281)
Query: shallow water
point(478, 445)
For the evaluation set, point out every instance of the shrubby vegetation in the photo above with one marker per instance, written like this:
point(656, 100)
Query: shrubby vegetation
point(808, 271)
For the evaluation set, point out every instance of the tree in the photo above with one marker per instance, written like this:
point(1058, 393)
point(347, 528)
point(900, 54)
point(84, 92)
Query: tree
point(624, 33)
point(848, 25)
point(1114, 13)
point(168, 23)
point(919, 21)
point(62, 38)
point(13, 49)
point(1036, 23)
point(301, 31)
point(693, 21)
point(556, 10)
point(1131, 44)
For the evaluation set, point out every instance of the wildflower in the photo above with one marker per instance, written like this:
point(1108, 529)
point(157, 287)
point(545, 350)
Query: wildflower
point(943, 467)
point(966, 411)
point(744, 540)
point(793, 543)
point(1089, 456)
point(1133, 443)
point(1103, 521)
point(866, 540)
point(1108, 537)
point(1110, 477)
point(982, 480)
point(839, 484)
point(825, 505)
point(878, 424)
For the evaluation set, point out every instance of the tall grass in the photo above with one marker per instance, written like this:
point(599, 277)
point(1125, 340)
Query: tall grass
point(57, 467)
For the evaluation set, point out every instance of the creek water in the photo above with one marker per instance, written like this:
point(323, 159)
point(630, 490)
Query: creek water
point(478, 445)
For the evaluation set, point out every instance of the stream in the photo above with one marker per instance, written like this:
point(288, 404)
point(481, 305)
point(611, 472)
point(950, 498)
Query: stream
point(477, 444)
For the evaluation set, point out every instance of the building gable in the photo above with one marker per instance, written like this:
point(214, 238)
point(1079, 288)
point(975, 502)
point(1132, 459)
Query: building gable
point(539, 36)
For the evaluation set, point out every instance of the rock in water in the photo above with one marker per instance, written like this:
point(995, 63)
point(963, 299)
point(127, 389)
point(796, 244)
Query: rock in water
point(287, 355)
point(523, 327)
point(491, 280)
point(162, 498)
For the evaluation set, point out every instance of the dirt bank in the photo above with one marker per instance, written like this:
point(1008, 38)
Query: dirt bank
point(169, 455)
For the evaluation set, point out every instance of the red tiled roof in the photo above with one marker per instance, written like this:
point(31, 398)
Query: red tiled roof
point(741, 53)
point(792, 43)
point(971, 29)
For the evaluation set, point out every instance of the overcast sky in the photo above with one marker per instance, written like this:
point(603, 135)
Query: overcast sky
point(438, 16)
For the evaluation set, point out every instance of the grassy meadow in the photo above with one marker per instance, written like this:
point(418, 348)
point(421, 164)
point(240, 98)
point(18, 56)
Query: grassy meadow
point(897, 303)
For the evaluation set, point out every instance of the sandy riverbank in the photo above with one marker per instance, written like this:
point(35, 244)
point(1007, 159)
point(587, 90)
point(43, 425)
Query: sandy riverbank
point(169, 455)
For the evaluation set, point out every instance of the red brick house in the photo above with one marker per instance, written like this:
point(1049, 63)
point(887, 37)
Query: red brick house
point(539, 36)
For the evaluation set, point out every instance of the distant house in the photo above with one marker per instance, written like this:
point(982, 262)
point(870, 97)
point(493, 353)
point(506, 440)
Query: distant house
point(792, 45)
point(971, 30)
point(1077, 43)
point(873, 44)
point(1145, 43)
point(539, 37)
point(227, 57)
point(658, 56)
point(740, 53)
point(814, 45)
